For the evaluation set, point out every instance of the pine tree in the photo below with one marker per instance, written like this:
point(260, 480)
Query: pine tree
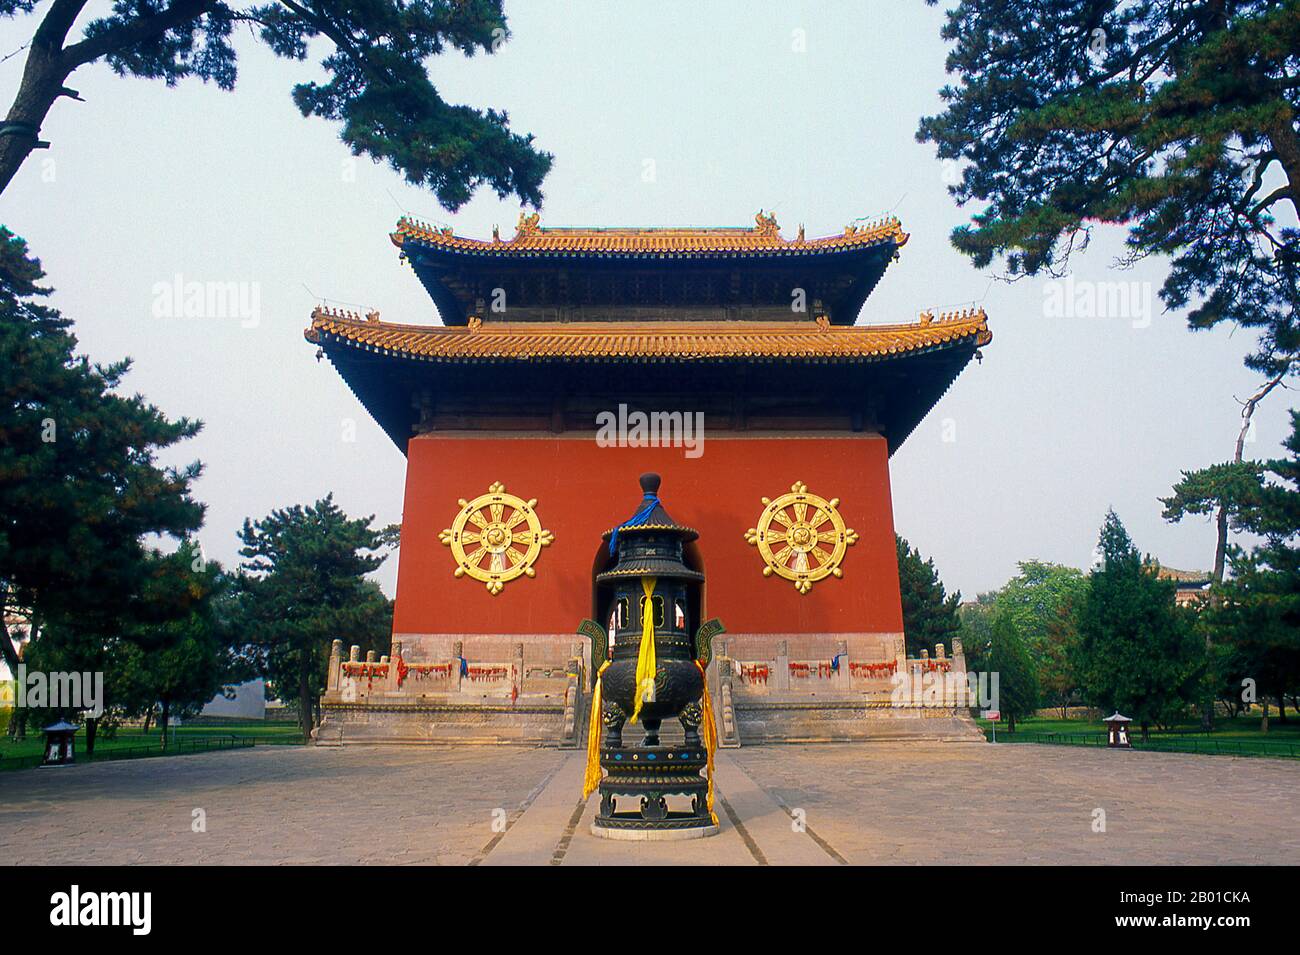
point(1260, 611)
point(304, 585)
point(376, 85)
point(1137, 652)
point(1177, 120)
point(192, 653)
point(80, 486)
point(929, 614)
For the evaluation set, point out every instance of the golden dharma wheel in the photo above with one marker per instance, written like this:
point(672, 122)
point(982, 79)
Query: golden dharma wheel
point(801, 537)
point(496, 537)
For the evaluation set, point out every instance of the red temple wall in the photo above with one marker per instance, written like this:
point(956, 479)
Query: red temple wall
point(583, 489)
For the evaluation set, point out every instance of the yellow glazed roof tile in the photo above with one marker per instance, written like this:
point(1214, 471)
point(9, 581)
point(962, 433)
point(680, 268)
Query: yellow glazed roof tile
point(764, 238)
point(651, 341)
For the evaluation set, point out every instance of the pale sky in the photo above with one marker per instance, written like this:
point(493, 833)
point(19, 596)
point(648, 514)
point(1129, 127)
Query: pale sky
point(1067, 415)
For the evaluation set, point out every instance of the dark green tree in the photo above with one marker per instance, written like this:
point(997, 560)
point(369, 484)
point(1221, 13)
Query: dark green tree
point(1260, 610)
point(929, 614)
point(1137, 652)
point(139, 647)
point(1177, 120)
point(1008, 658)
point(183, 662)
point(80, 486)
point(376, 83)
point(304, 585)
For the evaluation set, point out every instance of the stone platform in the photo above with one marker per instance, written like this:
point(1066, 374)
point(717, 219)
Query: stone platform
point(774, 720)
point(537, 692)
point(526, 723)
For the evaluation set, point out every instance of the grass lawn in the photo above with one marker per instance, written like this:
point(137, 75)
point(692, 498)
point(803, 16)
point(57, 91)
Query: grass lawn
point(1240, 736)
point(131, 741)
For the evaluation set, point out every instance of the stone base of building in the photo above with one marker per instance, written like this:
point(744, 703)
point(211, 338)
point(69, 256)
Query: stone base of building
point(527, 724)
point(522, 723)
point(767, 689)
point(839, 688)
point(834, 721)
point(444, 689)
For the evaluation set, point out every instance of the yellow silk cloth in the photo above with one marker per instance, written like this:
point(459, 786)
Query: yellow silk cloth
point(591, 778)
point(710, 730)
point(645, 661)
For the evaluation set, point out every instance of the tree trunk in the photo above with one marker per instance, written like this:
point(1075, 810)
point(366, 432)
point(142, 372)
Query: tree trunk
point(7, 649)
point(1221, 517)
point(1146, 732)
point(1281, 708)
point(41, 85)
point(1011, 723)
point(50, 63)
point(148, 720)
point(1263, 721)
point(164, 719)
point(12, 658)
point(1286, 147)
point(304, 698)
point(91, 723)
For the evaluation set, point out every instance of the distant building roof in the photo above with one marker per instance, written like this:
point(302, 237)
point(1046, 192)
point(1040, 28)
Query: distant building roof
point(1184, 577)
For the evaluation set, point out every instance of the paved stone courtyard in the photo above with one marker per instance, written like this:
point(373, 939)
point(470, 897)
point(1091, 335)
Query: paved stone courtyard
point(867, 803)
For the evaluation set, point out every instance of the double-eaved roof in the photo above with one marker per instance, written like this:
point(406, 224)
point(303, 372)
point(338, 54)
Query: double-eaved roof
point(754, 330)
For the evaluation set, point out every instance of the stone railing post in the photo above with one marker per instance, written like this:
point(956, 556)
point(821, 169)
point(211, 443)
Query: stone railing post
point(336, 664)
point(578, 651)
point(394, 657)
point(782, 675)
point(959, 667)
point(728, 732)
point(572, 730)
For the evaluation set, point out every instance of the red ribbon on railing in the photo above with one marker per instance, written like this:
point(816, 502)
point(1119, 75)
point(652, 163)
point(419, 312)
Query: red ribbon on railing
point(870, 670)
point(421, 671)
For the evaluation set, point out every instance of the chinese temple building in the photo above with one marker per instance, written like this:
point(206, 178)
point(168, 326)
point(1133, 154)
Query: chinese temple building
point(570, 361)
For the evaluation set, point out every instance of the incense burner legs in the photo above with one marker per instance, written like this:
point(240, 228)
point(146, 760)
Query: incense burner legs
point(653, 793)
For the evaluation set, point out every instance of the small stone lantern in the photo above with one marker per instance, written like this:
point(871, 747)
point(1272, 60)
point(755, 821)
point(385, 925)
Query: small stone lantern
point(59, 748)
point(1117, 730)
